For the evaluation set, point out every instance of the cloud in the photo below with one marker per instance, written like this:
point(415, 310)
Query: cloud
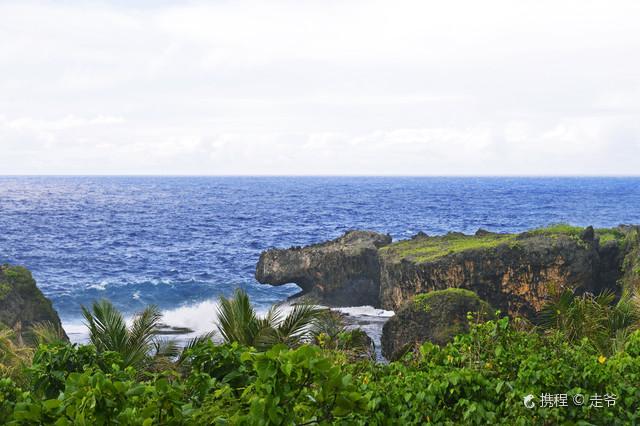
point(335, 87)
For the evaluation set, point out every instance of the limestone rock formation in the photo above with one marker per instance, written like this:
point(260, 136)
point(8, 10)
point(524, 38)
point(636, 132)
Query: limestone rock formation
point(22, 304)
point(341, 272)
point(513, 272)
point(436, 317)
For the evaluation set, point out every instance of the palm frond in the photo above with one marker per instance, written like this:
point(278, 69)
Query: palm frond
point(141, 334)
point(107, 327)
point(555, 312)
point(297, 323)
point(329, 323)
point(108, 331)
point(604, 323)
point(237, 320)
point(165, 348)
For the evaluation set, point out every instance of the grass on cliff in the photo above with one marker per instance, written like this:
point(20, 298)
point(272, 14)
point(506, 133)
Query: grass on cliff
point(17, 277)
point(604, 234)
point(427, 249)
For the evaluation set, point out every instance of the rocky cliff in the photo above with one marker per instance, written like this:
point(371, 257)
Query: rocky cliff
point(437, 316)
point(22, 304)
point(341, 272)
point(513, 272)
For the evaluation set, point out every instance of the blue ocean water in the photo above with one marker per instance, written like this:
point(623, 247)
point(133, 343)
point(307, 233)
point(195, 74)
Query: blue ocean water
point(181, 241)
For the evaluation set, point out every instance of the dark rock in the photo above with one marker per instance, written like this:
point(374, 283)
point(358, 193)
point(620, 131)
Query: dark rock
point(22, 304)
point(514, 273)
point(588, 234)
point(341, 272)
point(165, 329)
point(419, 235)
point(436, 317)
point(483, 232)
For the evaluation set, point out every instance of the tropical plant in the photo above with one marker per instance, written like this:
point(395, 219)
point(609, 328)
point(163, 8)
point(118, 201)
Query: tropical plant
point(330, 331)
point(239, 322)
point(598, 318)
point(108, 331)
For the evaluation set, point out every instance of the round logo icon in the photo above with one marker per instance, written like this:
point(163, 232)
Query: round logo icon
point(528, 401)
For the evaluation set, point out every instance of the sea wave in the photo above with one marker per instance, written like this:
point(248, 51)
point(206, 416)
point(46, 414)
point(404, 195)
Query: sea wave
point(201, 317)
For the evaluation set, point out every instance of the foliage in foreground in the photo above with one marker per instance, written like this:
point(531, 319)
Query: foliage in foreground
point(479, 378)
point(239, 322)
point(603, 322)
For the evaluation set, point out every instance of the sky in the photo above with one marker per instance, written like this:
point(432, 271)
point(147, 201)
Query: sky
point(325, 87)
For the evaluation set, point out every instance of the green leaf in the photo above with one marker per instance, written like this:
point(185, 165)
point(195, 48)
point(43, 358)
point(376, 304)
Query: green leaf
point(51, 404)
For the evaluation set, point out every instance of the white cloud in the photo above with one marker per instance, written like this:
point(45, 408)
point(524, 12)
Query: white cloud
point(335, 87)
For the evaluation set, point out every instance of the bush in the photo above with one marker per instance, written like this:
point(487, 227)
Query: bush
point(481, 377)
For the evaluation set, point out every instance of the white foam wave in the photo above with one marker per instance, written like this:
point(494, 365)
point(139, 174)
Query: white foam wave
point(199, 317)
point(102, 285)
point(365, 311)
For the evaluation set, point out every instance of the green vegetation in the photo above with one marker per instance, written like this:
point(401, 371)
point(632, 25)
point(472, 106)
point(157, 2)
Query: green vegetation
point(630, 280)
point(329, 331)
point(428, 249)
point(606, 235)
point(13, 356)
point(446, 296)
point(19, 277)
point(596, 320)
point(5, 289)
point(558, 229)
point(238, 322)
point(108, 332)
point(481, 377)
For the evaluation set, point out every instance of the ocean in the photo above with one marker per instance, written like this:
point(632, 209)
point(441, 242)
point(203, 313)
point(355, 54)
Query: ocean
point(180, 242)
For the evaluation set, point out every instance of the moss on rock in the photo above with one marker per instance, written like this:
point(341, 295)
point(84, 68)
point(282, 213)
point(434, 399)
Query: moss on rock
point(427, 249)
point(437, 316)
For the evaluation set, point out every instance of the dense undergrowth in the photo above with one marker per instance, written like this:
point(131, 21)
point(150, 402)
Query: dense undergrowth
point(482, 377)
point(579, 365)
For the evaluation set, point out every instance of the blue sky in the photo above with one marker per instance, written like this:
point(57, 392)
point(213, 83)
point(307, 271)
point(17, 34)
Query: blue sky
point(320, 87)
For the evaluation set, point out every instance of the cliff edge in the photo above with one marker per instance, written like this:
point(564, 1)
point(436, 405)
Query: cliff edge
point(340, 272)
point(515, 273)
point(22, 304)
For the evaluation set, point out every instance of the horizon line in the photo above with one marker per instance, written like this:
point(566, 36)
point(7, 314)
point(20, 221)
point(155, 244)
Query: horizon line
point(329, 175)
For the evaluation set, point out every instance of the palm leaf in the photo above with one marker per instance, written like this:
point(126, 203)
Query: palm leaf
point(107, 327)
point(237, 320)
point(297, 324)
point(141, 335)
